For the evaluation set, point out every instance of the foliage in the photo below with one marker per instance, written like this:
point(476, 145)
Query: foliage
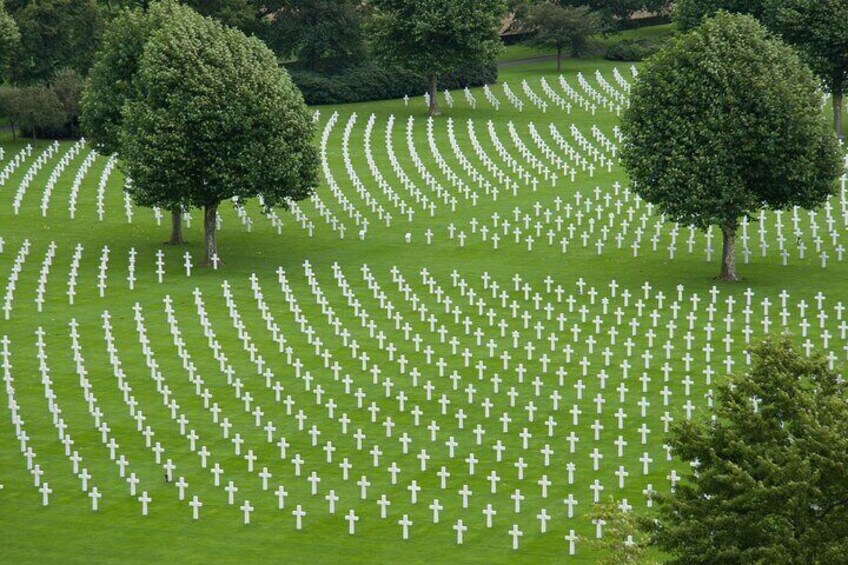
point(619, 11)
point(436, 36)
point(112, 80)
point(820, 31)
point(373, 81)
point(562, 27)
point(632, 49)
point(116, 6)
point(724, 121)
point(35, 108)
point(215, 118)
point(7, 108)
point(320, 34)
point(622, 542)
point(68, 84)
point(769, 484)
point(241, 14)
point(690, 13)
point(10, 38)
point(55, 34)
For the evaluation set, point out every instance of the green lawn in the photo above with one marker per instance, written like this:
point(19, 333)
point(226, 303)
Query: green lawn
point(599, 339)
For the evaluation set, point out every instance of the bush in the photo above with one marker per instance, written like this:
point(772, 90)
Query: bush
point(371, 81)
point(631, 50)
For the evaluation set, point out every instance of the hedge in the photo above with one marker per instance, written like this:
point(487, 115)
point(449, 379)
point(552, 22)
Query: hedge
point(632, 50)
point(371, 81)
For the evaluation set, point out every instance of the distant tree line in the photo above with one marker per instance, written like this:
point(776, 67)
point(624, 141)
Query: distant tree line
point(42, 41)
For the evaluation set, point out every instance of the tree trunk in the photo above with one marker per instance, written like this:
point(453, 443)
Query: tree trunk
point(728, 255)
point(176, 228)
point(559, 59)
point(434, 97)
point(14, 131)
point(837, 114)
point(210, 216)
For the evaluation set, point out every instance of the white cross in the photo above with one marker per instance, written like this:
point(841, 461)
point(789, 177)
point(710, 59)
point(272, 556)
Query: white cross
point(459, 528)
point(515, 533)
point(298, 514)
point(145, 500)
point(405, 523)
point(195, 507)
point(247, 509)
point(351, 518)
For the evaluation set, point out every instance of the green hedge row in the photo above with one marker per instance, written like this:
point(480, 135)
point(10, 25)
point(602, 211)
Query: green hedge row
point(632, 50)
point(371, 81)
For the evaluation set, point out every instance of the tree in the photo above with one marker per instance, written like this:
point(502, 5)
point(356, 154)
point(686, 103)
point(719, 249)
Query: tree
point(436, 36)
point(113, 81)
point(35, 108)
point(10, 37)
point(690, 13)
point(8, 99)
point(55, 34)
point(769, 483)
point(819, 29)
point(620, 11)
point(319, 33)
point(724, 121)
point(68, 84)
point(560, 27)
point(215, 118)
point(240, 14)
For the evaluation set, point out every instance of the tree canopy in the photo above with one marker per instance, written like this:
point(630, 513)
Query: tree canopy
point(55, 34)
point(68, 85)
point(690, 13)
point(769, 481)
point(215, 118)
point(562, 27)
point(819, 29)
point(113, 80)
point(36, 107)
point(320, 34)
point(619, 11)
point(436, 36)
point(10, 37)
point(724, 121)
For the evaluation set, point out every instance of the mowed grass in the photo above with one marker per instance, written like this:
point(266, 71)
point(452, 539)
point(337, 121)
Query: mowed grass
point(331, 292)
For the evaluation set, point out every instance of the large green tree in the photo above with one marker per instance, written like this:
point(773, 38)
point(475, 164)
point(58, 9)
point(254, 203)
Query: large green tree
point(68, 85)
point(620, 11)
point(819, 29)
point(113, 81)
point(432, 37)
point(10, 37)
point(562, 27)
point(241, 14)
point(725, 121)
point(8, 99)
point(34, 108)
point(690, 13)
point(55, 34)
point(215, 118)
point(320, 34)
point(770, 477)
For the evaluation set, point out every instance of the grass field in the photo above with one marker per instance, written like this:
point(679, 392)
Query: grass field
point(392, 335)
